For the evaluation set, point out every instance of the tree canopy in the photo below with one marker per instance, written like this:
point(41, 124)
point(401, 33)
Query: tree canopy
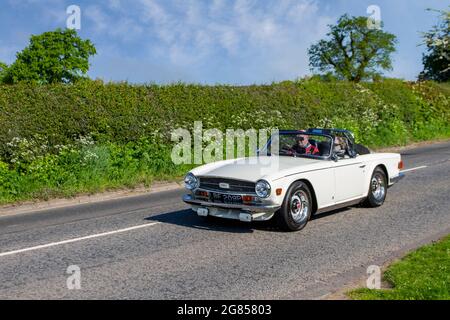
point(59, 56)
point(353, 51)
point(436, 62)
point(3, 68)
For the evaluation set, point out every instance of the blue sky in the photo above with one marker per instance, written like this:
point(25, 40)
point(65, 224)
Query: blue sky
point(211, 41)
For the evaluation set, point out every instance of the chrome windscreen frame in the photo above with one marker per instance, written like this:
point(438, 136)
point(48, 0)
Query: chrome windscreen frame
point(281, 132)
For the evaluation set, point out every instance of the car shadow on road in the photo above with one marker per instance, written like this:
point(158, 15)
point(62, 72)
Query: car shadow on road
point(330, 213)
point(188, 218)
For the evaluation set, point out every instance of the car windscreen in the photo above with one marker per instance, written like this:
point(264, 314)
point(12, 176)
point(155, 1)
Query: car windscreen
point(301, 145)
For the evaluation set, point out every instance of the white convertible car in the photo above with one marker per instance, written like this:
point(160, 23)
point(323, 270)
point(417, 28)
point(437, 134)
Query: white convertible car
point(300, 174)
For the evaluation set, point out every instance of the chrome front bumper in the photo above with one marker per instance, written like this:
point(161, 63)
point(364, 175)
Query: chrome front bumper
point(255, 212)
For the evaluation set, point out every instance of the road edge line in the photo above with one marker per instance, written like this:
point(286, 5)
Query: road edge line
point(93, 236)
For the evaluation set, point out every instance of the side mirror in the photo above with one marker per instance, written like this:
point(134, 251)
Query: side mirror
point(334, 157)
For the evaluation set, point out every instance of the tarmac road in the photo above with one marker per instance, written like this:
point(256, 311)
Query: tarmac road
point(153, 247)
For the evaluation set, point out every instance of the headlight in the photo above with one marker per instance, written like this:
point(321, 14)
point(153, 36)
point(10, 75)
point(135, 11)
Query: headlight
point(190, 181)
point(262, 189)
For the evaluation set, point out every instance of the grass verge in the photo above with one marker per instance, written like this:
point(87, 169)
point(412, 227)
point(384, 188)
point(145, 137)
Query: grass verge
point(423, 274)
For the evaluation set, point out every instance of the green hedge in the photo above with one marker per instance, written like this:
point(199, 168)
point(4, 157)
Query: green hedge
point(63, 139)
point(123, 112)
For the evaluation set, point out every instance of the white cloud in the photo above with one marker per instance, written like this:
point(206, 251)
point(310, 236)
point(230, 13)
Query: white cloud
point(265, 40)
point(96, 15)
point(121, 27)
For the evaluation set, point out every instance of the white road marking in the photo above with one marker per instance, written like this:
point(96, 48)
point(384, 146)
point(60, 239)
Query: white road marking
point(78, 239)
point(416, 168)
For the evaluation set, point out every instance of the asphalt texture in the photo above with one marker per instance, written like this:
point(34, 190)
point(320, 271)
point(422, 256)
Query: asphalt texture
point(174, 254)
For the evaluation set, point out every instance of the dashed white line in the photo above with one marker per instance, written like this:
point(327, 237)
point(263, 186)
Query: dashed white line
point(52, 244)
point(416, 168)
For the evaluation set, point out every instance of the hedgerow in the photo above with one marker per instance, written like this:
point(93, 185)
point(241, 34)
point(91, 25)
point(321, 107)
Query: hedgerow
point(59, 140)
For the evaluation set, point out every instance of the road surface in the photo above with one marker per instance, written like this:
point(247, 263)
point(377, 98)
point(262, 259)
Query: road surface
point(153, 247)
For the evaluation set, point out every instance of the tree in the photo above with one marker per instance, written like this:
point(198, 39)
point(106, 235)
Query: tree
point(353, 51)
point(52, 57)
point(436, 62)
point(3, 69)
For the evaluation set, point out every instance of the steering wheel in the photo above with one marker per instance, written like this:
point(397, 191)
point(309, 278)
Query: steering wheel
point(287, 149)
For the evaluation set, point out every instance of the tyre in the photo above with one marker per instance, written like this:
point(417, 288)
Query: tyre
point(296, 209)
point(377, 189)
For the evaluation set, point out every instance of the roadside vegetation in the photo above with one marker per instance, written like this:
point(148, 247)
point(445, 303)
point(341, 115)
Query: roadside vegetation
point(62, 134)
point(422, 275)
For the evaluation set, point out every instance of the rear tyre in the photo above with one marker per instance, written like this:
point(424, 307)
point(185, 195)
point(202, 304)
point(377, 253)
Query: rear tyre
point(377, 189)
point(296, 209)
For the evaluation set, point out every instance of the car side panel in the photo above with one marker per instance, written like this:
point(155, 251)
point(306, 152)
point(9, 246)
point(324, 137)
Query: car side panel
point(322, 181)
point(350, 178)
point(325, 183)
point(388, 160)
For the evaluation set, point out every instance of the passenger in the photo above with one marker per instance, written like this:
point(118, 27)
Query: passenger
point(340, 146)
point(303, 146)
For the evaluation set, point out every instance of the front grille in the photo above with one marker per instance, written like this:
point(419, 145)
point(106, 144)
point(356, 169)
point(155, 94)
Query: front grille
point(239, 186)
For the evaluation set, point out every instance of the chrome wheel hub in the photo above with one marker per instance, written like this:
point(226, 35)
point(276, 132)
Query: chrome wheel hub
point(299, 205)
point(377, 187)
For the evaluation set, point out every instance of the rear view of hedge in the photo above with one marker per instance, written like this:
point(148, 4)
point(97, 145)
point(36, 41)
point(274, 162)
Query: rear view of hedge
point(58, 140)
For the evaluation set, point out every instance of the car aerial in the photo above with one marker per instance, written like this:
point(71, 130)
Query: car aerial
point(297, 174)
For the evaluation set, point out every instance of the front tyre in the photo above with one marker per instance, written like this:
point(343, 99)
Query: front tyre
point(377, 189)
point(296, 208)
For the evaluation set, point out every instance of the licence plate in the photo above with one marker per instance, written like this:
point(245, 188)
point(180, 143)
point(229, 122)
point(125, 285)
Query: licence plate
point(227, 198)
point(202, 212)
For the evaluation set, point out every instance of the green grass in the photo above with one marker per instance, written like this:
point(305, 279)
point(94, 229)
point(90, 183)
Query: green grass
point(422, 275)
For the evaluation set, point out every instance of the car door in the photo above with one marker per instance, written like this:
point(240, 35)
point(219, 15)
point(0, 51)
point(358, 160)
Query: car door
point(349, 179)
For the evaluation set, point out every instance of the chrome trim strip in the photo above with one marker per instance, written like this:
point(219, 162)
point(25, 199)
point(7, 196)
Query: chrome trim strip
point(320, 169)
point(222, 177)
point(339, 205)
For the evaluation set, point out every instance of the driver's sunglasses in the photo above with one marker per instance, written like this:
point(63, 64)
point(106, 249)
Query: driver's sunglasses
point(301, 139)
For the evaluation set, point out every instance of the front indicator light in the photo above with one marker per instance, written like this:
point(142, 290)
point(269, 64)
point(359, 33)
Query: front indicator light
point(202, 194)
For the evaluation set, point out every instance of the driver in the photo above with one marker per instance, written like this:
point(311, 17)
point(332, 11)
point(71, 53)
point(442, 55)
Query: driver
point(303, 146)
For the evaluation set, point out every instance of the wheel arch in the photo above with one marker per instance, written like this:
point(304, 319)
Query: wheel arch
point(383, 167)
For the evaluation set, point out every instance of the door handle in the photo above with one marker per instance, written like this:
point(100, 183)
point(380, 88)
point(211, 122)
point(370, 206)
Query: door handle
point(363, 166)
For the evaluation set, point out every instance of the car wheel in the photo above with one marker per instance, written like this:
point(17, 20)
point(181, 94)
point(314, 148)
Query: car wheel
point(295, 211)
point(377, 189)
